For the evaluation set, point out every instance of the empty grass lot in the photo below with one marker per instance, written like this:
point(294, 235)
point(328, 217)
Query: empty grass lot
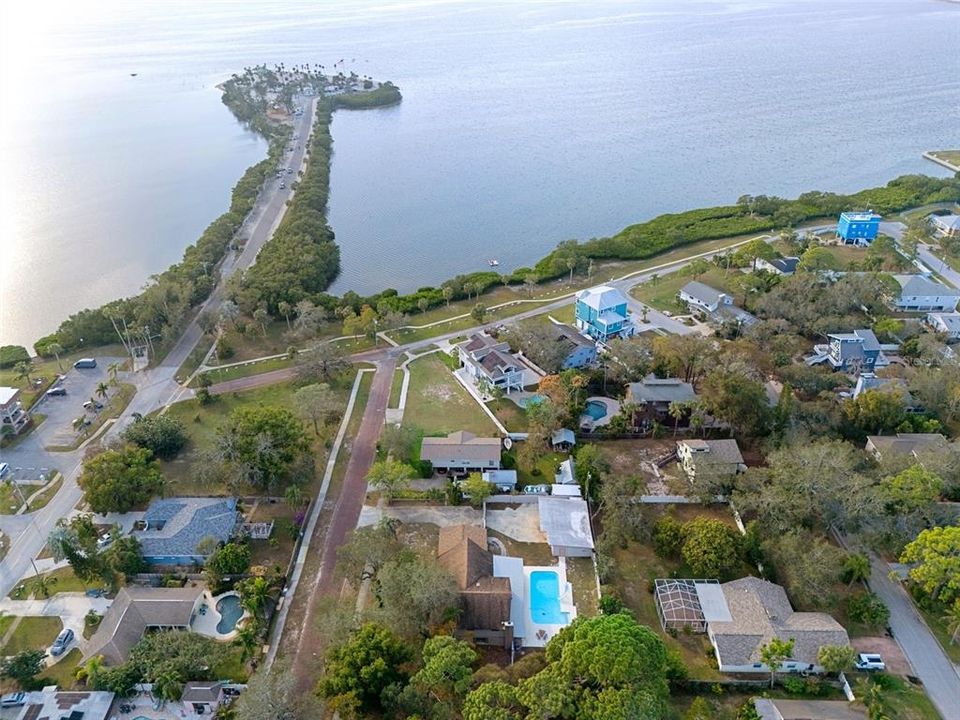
point(438, 404)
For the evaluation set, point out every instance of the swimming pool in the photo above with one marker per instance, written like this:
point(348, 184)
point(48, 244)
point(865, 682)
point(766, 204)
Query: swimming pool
point(531, 400)
point(545, 598)
point(230, 612)
point(595, 410)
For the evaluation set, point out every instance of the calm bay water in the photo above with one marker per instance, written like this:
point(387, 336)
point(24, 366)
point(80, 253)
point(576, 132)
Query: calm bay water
point(523, 124)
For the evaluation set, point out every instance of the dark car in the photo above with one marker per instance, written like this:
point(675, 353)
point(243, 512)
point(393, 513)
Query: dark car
point(58, 390)
point(60, 644)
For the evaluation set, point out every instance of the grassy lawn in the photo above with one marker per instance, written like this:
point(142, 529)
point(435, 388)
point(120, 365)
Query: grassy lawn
point(395, 388)
point(904, 701)
point(195, 358)
point(33, 633)
point(242, 371)
point(581, 575)
point(543, 473)
point(59, 581)
point(513, 417)
point(938, 627)
point(202, 422)
point(9, 499)
point(662, 295)
point(116, 403)
point(231, 667)
point(275, 551)
point(63, 673)
point(47, 494)
point(636, 568)
point(438, 404)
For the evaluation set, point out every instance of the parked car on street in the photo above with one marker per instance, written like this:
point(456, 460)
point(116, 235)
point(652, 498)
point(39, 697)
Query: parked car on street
point(870, 662)
point(60, 644)
point(85, 363)
point(57, 391)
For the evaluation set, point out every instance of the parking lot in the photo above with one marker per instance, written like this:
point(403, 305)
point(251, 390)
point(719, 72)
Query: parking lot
point(29, 458)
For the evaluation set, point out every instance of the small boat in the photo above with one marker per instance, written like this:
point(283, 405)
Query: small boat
point(493, 262)
point(133, 74)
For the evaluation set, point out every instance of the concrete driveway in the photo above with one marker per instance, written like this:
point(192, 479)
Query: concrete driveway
point(888, 649)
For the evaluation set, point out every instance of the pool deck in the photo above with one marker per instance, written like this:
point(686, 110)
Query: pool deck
point(613, 409)
point(533, 634)
point(206, 624)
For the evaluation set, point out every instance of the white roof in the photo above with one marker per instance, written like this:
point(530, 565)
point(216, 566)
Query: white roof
point(601, 297)
point(498, 477)
point(512, 567)
point(951, 321)
point(565, 490)
point(7, 394)
point(947, 221)
point(566, 522)
point(859, 216)
point(713, 603)
point(567, 474)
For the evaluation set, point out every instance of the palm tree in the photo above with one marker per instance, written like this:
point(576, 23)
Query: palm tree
point(88, 672)
point(167, 686)
point(447, 294)
point(113, 369)
point(676, 411)
point(247, 639)
point(254, 594)
point(102, 390)
point(23, 369)
point(294, 497)
point(56, 349)
point(952, 619)
point(856, 568)
point(571, 266)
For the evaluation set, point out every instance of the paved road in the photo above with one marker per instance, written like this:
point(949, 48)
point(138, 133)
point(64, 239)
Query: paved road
point(895, 230)
point(346, 514)
point(940, 677)
point(156, 387)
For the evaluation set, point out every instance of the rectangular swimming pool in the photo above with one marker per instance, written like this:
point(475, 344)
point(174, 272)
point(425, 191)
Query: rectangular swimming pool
point(545, 598)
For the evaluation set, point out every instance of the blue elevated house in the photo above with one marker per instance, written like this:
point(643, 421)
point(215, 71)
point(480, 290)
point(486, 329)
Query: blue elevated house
point(858, 228)
point(601, 313)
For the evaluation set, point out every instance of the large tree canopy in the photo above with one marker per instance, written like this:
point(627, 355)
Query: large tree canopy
point(263, 443)
point(120, 480)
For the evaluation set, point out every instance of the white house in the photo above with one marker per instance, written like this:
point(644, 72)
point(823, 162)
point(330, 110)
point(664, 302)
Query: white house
point(12, 414)
point(946, 323)
point(697, 295)
point(566, 523)
point(487, 359)
point(779, 266)
point(946, 225)
point(920, 294)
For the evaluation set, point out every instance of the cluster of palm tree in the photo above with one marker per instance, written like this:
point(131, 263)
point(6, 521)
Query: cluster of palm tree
point(255, 596)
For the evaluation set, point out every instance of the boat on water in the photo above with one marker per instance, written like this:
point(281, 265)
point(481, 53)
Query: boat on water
point(133, 74)
point(493, 262)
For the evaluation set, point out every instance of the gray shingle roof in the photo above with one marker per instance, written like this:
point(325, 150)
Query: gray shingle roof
point(133, 611)
point(761, 611)
point(459, 446)
point(659, 390)
point(704, 293)
point(175, 526)
point(918, 285)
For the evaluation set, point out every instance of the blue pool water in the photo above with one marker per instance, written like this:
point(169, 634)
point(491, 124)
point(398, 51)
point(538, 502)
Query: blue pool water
point(230, 612)
point(545, 598)
point(532, 400)
point(595, 409)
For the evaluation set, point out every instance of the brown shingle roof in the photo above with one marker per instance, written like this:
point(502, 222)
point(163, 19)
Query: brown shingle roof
point(468, 560)
point(484, 599)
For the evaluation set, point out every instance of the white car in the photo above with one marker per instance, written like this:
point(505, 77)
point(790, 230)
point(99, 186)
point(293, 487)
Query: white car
point(870, 662)
point(536, 490)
